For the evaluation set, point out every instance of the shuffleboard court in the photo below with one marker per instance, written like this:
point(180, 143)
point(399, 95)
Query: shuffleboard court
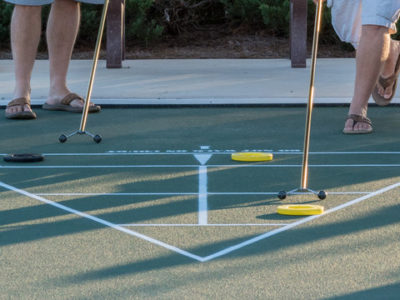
point(160, 210)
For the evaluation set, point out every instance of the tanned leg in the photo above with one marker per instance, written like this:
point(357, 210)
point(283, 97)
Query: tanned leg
point(62, 29)
point(25, 37)
point(389, 68)
point(372, 52)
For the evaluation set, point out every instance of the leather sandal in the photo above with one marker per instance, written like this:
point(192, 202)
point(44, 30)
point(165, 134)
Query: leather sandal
point(385, 83)
point(358, 119)
point(64, 105)
point(22, 115)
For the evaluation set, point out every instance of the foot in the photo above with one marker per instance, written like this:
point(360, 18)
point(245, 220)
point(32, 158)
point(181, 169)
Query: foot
point(57, 98)
point(357, 124)
point(389, 70)
point(24, 106)
point(70, 102)
point(20, 108)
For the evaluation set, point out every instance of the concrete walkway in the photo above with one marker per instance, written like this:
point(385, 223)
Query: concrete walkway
point(196, 81)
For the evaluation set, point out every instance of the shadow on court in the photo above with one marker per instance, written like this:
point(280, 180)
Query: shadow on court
point(391, 291)
point(341, 248)
point(299, 238)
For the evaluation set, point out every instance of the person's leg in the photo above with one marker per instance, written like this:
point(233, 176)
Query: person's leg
point(62, 29)
point(389, 69)
point(25, 37)
point(373, 50)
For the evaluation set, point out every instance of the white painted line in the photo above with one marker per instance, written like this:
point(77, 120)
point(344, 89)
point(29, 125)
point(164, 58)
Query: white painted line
point(190, 255)
point(204, 100)
point(184, 194)
point(101, 221)
point(207, 225)
point(117, 194)
point(312, 166)
point(209, 100)
point(202, 158)
point(195, 166)
point(203, 201)
point(98, 166)
point(300, 222)
point(351, 153)
point(203, 188)
point(205, 147)
point(217, 152)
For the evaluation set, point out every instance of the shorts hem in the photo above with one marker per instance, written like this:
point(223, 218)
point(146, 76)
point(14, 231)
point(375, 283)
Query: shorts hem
point(381, 21)
point(29, 3)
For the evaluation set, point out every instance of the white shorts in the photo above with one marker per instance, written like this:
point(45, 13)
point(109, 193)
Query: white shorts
point(349, 15)
point(44, 2)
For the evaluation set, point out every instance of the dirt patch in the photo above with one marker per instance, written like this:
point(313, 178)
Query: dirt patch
point(207, 45)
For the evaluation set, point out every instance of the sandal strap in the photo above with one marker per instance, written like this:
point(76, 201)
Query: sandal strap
point(19, 102)
point(386, 82)
point(70, 97)
point(359, 118)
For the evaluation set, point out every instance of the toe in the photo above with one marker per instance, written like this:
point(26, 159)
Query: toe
point(361, 126)
point(388, 93)
point(27, 108)
point(381, 91)
point(76, 103)
point(348, 125)
point(13, 109)
point(79, 103)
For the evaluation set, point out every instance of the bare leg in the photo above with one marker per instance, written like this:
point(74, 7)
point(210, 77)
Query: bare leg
point(389, 68)
point(372, 52)
point(25, 37)
point(62, 29)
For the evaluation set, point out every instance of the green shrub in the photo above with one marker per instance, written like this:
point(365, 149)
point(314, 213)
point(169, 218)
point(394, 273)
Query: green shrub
point(240, 12)
point(140, 21)
point(150, 20)
point(5, 18)
point(276, 16)
point(90, 21)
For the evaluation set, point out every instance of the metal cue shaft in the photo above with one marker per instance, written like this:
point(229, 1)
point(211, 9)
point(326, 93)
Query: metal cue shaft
point(94, 66)
point(317, 27)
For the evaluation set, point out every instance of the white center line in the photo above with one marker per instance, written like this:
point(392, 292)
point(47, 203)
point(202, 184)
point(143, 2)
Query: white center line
point(203, 188)
point(203, 201)
point(207, 225)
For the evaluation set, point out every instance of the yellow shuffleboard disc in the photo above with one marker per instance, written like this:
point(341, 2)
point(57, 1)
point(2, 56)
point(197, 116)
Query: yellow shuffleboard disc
point(252, 156)
point(300, 210)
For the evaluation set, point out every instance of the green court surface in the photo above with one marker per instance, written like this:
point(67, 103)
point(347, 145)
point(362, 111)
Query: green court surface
point(158, 210)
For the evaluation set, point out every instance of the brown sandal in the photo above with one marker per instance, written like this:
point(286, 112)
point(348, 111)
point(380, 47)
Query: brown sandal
point(385, 83)
point(358, 119)
point(22, 115)
point(65, 105)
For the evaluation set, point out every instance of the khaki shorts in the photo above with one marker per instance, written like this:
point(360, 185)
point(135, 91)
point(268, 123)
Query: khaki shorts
point(44, 2)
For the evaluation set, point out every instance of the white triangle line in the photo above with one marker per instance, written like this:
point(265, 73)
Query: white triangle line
point(101, 221)
point(297, 223)
point(188, 254)
point(202, 158)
